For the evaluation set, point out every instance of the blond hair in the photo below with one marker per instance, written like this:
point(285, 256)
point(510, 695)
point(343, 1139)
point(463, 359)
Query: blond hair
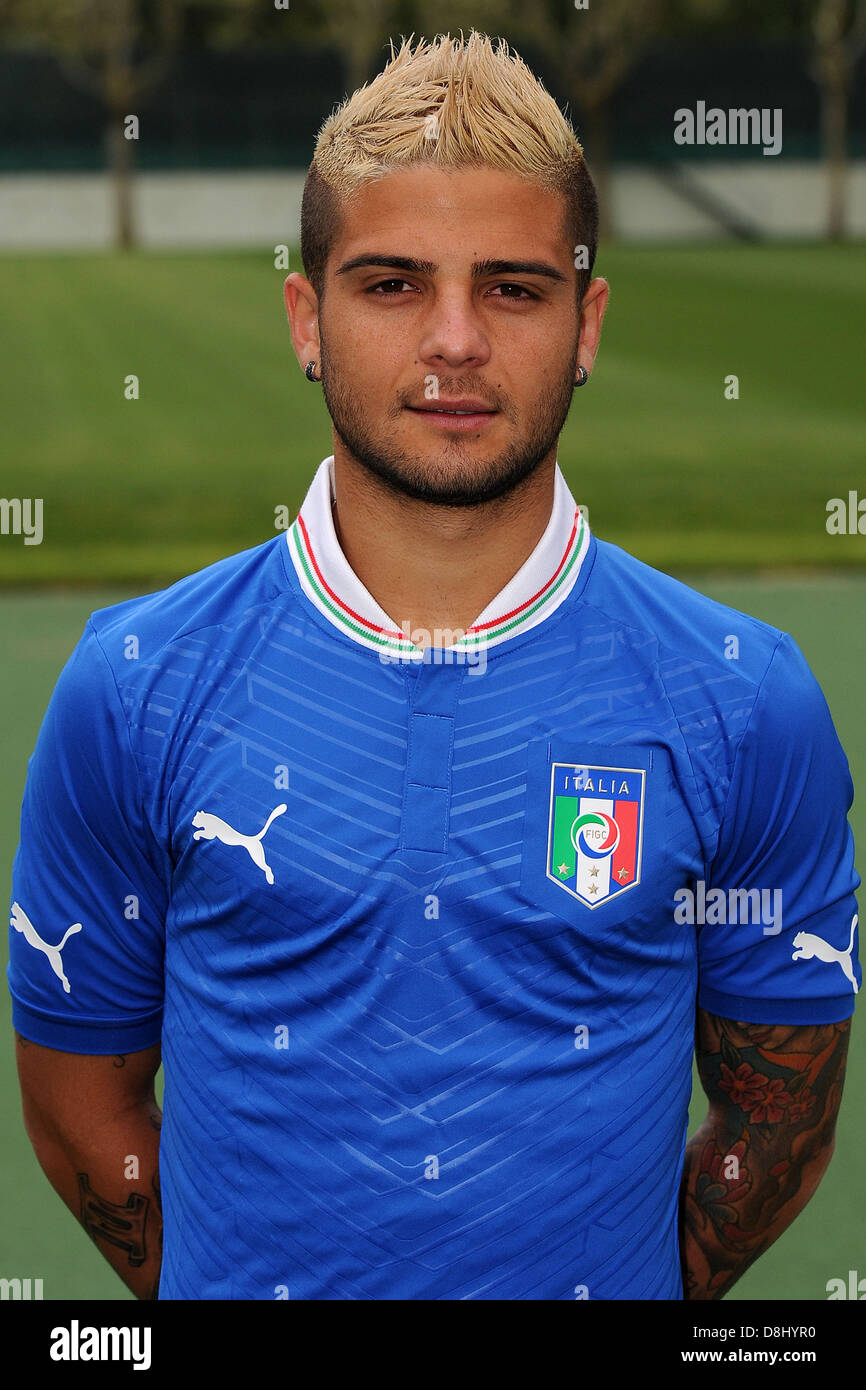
point(455, 103)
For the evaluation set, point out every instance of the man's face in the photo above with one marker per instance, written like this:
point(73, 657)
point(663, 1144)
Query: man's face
point(431, 321)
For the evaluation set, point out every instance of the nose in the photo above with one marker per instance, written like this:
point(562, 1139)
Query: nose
point(453, 334)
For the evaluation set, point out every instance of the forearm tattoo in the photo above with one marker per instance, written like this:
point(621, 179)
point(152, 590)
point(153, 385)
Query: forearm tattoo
point(122, 1224)
point(774, 1092)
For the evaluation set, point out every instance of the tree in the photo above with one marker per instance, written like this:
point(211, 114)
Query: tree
point(590, 51)
point(118, 50)
point(359, 29)
point(839, 41)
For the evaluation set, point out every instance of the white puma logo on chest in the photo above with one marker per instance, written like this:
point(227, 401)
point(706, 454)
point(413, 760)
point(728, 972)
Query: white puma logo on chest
point(212, 828)
point(21, 922)
point(811, 947)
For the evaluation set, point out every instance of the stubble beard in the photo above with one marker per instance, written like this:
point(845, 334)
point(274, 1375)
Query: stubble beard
point(448, 475)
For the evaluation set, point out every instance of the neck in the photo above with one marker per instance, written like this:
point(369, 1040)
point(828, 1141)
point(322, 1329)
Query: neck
point(444, 564)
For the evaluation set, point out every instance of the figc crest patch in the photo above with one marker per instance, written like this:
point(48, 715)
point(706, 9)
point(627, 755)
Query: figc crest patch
point(596, 830)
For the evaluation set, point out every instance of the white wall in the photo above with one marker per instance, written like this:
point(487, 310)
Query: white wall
point(262, 207)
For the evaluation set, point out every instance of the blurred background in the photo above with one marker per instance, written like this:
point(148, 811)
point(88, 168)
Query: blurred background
point(152, 158)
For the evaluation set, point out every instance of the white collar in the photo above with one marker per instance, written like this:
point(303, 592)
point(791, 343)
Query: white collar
point(535, 591)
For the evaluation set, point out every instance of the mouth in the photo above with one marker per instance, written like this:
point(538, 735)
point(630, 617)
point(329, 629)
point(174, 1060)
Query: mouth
point(456, 415)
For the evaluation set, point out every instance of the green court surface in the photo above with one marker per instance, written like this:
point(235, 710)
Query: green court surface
point(40, 1239)
point(225, 427)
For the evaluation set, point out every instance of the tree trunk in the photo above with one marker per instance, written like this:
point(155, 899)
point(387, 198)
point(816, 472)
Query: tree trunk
point(357, 58)
point(834, 137)
point(120, 174)
point(597, 151)
point(119, 93)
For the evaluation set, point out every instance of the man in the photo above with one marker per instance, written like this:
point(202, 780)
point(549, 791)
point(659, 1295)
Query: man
point(419, 842)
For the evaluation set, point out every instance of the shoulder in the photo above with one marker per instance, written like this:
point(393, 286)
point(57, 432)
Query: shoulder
point(685, 625)
point(740, 691)
point(171, 649)
point(221, 595)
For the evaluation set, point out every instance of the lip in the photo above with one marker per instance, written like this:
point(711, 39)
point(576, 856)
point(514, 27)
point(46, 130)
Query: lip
point(466, 413)
point(476, 404)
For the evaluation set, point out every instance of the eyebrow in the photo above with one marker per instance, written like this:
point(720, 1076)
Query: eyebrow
point(479, 268)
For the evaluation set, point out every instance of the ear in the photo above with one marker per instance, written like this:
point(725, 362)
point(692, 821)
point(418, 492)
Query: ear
point(592, 312)
point(302, 307)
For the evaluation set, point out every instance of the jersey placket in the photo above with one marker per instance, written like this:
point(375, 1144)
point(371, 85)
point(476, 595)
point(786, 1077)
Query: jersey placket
point(433, 693)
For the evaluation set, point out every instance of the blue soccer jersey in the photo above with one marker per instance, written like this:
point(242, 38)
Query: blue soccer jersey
point(423, 935)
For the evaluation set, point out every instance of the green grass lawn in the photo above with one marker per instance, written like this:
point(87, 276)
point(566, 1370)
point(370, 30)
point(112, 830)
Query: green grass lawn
point(226, 427)
point(40, 1239)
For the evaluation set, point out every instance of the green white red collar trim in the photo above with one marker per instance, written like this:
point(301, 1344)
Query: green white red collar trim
point(535, 591)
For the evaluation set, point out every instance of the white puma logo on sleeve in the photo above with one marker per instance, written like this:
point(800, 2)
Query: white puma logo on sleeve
point(811, 947)
point(21, 922)
point(212, 828)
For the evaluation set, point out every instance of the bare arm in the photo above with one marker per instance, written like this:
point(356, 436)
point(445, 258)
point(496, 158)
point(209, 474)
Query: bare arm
point(94, 1124)
point(774, 1093)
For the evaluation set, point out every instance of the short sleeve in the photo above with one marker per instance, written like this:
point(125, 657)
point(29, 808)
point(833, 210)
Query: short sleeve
point(86, 935)
point(778, 940)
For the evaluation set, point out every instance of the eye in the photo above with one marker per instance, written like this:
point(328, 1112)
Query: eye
point(521, 290)
point(386, 288)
